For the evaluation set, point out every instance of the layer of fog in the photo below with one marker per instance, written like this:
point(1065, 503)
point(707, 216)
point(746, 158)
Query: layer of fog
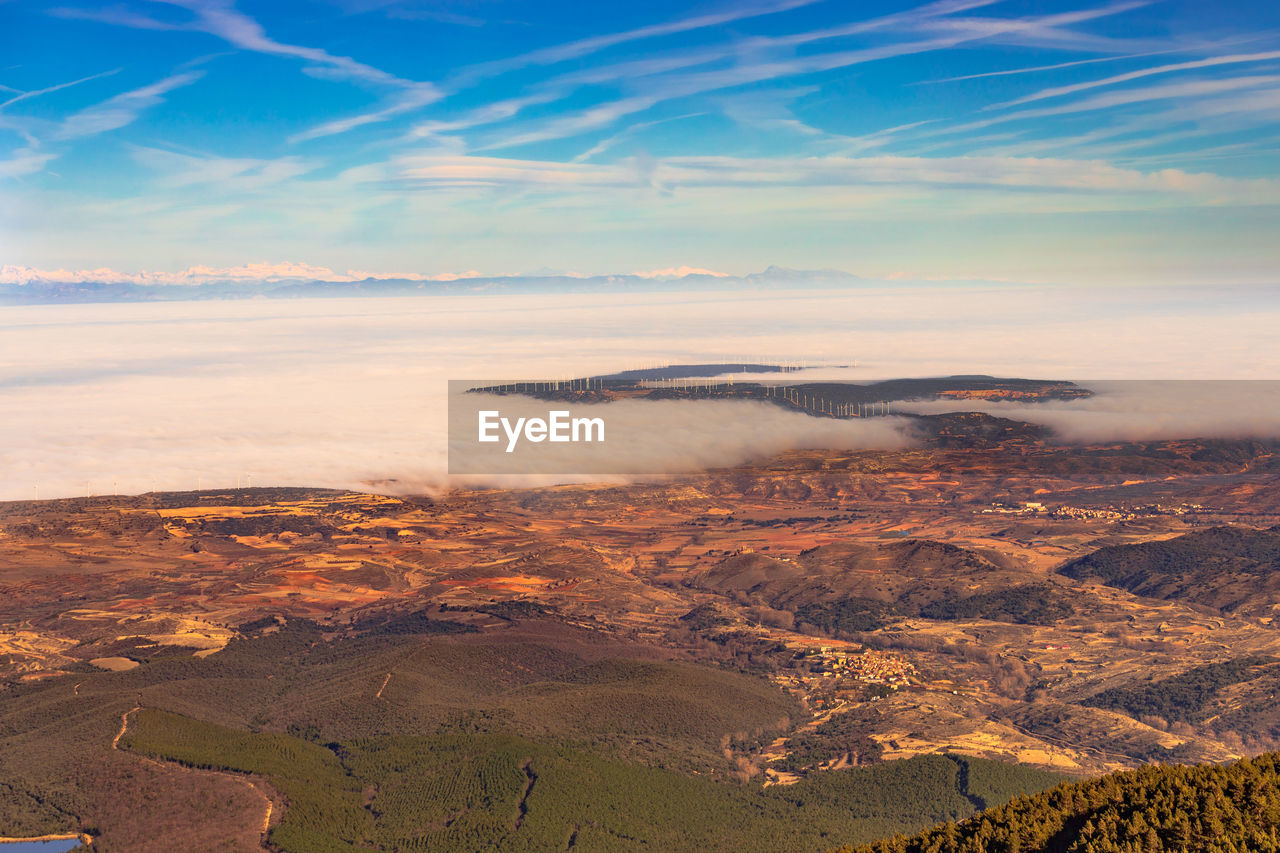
point(351, 393)
point(1145, 410)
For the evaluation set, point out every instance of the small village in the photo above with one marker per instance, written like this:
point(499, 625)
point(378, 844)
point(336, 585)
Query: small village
point(828, 678)
point(1106, 513)
point(868, 665)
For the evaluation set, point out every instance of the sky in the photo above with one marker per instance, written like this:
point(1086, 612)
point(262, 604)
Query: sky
point(1128, 141)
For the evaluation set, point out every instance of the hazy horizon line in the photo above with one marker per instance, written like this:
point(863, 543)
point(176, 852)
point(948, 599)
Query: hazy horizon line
point(253, 274)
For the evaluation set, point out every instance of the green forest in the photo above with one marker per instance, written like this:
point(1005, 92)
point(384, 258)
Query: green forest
point(503, 792)
point(1181, 697)
point(1207, 808)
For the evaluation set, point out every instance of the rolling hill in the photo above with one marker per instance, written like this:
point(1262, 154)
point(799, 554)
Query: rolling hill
point(1211, 808)
point(1232, 569)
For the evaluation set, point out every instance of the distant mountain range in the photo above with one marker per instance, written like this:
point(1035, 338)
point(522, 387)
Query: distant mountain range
point(33, 287)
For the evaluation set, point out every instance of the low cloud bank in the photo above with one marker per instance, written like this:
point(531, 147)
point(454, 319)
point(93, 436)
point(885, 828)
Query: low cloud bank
point(1147, 410)
point(352, 392)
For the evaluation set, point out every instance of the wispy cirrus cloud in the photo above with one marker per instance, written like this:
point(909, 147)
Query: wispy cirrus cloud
point(178, 170)
point(116, 112)
point(1211, 62)
point(559, 88)
point(670, 86)
point(1189, 90)
point(118, 15)
point(594, 44)
point(122, 109)
point(610, 141)
point(35, 93)
point(490, 113)
point(1057, 66)
point(220, 18)
point(410, 99)
point(1053, 32)
point(669, 75)
point(25, 161)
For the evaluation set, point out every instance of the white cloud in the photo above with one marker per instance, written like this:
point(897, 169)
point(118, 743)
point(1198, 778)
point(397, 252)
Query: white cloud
point(24, 161)
point(1196, 92)
point(594, 44)
point(473, 171)
point(1051, 31)
point(122, 109)
point(220, 174)
point(35, 93)
point(1058, 91)
point(1057, 66)
point(1150, 410)
point(220, 18)
point(407, 100)
point(691, 172)
point(346, 393)
point(648, 83)
point(651, 80)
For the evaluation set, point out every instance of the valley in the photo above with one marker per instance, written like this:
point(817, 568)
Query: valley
point(782, 625)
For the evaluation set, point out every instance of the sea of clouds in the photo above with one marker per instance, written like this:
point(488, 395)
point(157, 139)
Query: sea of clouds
point(126, 398)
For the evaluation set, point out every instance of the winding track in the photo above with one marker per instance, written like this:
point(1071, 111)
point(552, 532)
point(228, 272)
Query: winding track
point(266, 818)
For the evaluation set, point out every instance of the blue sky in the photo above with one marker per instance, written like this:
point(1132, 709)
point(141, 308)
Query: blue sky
point(1122, 141)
